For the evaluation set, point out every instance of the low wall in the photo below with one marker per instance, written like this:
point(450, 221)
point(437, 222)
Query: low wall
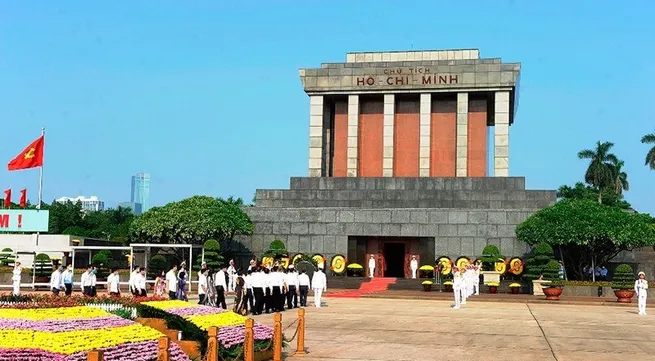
point(587, 291)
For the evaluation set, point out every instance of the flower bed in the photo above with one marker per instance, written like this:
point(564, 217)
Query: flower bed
point(194, 321)
point(69, 333)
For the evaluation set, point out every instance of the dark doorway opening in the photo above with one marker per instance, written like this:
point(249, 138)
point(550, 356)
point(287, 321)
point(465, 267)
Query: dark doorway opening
point(394, 256)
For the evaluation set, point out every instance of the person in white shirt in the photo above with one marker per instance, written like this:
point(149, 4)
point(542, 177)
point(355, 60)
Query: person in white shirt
point(232, 273)
point(641, 287)
point(221, 287)
point(257, 283)
point(202, 286)
point(292, 287)
point(141, 284)
point(171, 283)
point(476, 278)
point(133, 276)
point(56, 281)
point(113, 283)
point(458, 287)
point(93, 279)
point(371, 266)
point(15, 278)
point(67, 278)
point(319, 285)
point(253, 265)
point(303, 285)
point(414, 266)
point(85, 282)
point(268, 290)
point(249, 294)
point(277, 280)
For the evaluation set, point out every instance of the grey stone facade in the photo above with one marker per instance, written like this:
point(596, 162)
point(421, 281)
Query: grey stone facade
point(462, 215)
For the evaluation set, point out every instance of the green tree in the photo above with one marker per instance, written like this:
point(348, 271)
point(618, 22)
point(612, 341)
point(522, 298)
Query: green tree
point(7, 259)
point(588, 232)
point(599, 173)
point(277, 249)
point(650, 156)
point(42, 265)
point(624, 277)
point(191, 221)
point(620, 178)
point(551, 270)
point(535, 265)
point(63, 216)
point(490, 255)
point(213, 255)
point(156, 265)
point(581, 191)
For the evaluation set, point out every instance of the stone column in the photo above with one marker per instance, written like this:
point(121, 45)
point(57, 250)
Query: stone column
point(424, 135)
point(462, 134)
point(387, 140)
point(501, 134)
point(315, 135)
point(353, 130)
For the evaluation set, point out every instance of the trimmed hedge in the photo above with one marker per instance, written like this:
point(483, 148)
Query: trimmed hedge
point(624, 277)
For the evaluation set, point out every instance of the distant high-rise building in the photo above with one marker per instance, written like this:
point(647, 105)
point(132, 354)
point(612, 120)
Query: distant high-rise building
point(141, 190)
point(135, 207)
point(89, 204)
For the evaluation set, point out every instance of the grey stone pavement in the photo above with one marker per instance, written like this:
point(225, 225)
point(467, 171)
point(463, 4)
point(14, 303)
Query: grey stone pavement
point(392, 329)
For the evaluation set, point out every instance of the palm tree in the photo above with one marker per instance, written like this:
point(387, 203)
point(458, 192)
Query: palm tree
point(650, 156)
point(600, 171)
point(620, 178)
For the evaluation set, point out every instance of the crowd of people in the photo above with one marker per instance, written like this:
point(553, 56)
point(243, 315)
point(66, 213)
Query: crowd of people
point(258, 289)
point(466, 282)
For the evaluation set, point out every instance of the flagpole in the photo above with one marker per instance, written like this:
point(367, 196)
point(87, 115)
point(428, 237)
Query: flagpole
point(38, 205)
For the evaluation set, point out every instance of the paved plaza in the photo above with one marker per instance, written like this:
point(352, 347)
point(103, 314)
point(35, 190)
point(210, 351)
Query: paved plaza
point(386, 329)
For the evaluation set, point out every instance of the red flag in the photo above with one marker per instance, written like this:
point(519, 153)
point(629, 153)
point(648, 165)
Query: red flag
point(30, 157)
point(23, 198)
point(8, 198)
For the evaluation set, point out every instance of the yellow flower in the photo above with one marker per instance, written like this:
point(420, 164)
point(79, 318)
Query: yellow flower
point(515, 285)
point(75, 341)
point(448, 283)
point(38, 314)
point(426, 282)
point(219, 319)
point(355, 266)
point(493, 284)
point(164, 305)
point(426, 267)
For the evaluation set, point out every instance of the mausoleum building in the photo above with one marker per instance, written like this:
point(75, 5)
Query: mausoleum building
point(408, 155)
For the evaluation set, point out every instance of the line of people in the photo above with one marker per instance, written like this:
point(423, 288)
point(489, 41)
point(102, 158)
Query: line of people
point(466, 282)
point(260, 289)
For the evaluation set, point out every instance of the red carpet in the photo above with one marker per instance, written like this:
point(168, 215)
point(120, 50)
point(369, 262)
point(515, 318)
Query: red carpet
point(375, 285)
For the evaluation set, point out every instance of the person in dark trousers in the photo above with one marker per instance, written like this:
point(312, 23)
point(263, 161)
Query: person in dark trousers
point(303, 283)
point(249, 295)
point(68, 280)
point(276, 291)
point(268, 302)
point(221, 286)
point(292, 287)
point(258, 290)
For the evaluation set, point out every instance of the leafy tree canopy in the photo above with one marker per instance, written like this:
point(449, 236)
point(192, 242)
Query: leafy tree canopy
point(584, 192)
point(650, 155)
point(589, 232)
point(192, 221)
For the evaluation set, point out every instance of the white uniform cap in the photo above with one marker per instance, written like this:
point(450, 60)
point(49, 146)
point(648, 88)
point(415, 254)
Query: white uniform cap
point(641, 273)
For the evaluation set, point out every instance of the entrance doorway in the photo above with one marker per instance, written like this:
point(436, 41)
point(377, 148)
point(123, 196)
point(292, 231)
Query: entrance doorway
point(394, 256)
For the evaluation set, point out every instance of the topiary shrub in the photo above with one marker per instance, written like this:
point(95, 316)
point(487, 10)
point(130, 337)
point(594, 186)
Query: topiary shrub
point(213, 256)
point(624, 278)
point(156, 265)
point(102, 260)
point(277, 249)
point(540, 256)
point(551, 272)
point(490, 255)
point(42, 265)
point(7, 259)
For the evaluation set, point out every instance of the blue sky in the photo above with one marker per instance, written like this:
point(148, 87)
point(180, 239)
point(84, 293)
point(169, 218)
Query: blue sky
point(206, 96)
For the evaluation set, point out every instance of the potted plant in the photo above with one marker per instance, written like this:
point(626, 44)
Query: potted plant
point(355, 269)
point(493, 287)
point(515, 288)
point(490, 256)
point(42, 268)
point(552, 290)
point(426, 271)
point(448, 286)
point(623, 283)
point(427, 286)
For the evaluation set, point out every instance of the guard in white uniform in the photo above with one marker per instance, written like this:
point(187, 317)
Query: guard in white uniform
point(458, 283)
point(231, 273)
point(414, 266)
point(15, 277)
point(641, 287)
point(371, 266)
point(476, 279)
point(319, 285)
